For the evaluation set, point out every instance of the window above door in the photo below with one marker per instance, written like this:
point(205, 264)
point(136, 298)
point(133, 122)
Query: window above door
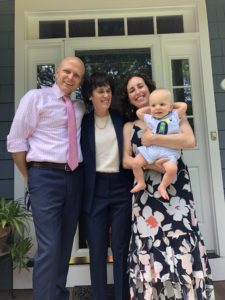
point(127, 22)
point(111, 27)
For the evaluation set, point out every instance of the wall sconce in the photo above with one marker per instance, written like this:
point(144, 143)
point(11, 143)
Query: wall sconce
point(222, 84)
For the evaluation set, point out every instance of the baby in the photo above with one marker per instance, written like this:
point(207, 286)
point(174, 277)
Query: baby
point(162, 117)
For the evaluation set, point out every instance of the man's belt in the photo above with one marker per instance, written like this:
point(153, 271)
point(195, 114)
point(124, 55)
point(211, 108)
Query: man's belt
point(49, 165)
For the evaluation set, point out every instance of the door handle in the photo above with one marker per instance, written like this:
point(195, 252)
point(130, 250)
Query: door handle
point(213, 135)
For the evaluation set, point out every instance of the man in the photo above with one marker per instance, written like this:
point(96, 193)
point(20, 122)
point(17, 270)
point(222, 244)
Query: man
point(39, 141)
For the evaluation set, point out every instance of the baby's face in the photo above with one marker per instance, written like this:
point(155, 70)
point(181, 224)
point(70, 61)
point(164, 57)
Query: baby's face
point(160, 107)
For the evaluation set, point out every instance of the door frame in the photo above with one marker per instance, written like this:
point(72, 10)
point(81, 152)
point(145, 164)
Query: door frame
point(53, 52)
point(162, 78)
point(211, 117)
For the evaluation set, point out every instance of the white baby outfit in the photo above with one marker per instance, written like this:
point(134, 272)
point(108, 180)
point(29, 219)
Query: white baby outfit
point(167, 125)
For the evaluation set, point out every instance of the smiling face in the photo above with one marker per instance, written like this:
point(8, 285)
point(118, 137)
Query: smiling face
point(69, 74)
point(101, 99)
point(138, 92)
point(160, 103)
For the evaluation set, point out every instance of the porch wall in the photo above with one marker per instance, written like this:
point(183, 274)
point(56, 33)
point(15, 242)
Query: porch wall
point(216, 21)
point(6, 94)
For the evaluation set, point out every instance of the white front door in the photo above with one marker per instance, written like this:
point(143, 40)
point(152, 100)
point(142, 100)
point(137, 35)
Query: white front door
point(173, 63)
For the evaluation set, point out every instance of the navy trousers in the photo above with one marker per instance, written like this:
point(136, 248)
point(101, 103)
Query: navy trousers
point(111, 212)
point(55, 201)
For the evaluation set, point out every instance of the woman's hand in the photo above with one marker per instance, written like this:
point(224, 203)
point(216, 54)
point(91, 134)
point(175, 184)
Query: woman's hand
point(183, 140)
point(146, 137)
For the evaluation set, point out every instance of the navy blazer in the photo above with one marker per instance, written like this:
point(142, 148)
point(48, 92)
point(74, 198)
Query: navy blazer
point(89, 157)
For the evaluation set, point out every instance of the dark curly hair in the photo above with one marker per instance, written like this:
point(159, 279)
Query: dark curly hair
point(96, 79)
point(128, 110)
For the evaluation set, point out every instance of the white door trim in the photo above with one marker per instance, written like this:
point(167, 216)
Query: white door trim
point(210, 111)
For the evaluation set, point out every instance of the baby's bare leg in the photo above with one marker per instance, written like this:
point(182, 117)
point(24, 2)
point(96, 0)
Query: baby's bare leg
point(137, 165)
point(168, 177)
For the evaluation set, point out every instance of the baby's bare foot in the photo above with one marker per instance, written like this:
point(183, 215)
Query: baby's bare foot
point(138, 187)
point(163, 192)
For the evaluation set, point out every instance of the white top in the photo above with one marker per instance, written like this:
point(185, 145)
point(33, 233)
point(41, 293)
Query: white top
point(106, 145)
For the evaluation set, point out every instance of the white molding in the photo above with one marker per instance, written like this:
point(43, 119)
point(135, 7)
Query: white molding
point(32, 18)
point(23, 280)
point(218, 268)
point(210, 111)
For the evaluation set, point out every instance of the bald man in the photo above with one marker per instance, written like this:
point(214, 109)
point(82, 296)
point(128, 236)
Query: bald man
point(39, 143)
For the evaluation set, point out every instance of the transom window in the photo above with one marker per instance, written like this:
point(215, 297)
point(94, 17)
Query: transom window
point(79, 24)
point(110, 27)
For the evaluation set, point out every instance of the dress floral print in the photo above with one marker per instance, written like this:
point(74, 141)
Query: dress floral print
point(167, 258)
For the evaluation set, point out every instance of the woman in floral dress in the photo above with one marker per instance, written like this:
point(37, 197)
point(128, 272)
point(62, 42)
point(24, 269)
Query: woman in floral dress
point(167, 257)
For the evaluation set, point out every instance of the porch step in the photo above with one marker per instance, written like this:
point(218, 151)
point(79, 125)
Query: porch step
point(84, 292)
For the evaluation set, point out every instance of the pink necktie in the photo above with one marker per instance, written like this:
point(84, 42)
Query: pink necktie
point(72, 134)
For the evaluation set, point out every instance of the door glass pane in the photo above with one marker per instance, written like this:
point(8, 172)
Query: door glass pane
point(181, 81)
point(183, 94)
point(180, 72)
point(118, 63)
point(45, 75)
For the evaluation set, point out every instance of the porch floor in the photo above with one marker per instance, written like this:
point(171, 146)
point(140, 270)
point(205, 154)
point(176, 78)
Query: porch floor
point(27, 294)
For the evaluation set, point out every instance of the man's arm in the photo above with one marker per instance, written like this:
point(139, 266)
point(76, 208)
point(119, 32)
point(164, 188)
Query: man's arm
point(20, 161)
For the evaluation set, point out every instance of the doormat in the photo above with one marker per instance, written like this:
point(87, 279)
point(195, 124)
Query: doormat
point(83, 292)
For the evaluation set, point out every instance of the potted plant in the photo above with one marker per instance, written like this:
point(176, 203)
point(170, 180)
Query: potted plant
point(14, 229)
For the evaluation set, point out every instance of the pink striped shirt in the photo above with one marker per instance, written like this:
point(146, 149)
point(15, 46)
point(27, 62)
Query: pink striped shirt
point(40, 126)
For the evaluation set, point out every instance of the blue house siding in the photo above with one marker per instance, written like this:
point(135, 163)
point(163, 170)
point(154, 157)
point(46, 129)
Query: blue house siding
point(6, 94)
point(216, 21)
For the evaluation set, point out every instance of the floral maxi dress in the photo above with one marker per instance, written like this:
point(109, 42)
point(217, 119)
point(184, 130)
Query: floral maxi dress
point(167, 257)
